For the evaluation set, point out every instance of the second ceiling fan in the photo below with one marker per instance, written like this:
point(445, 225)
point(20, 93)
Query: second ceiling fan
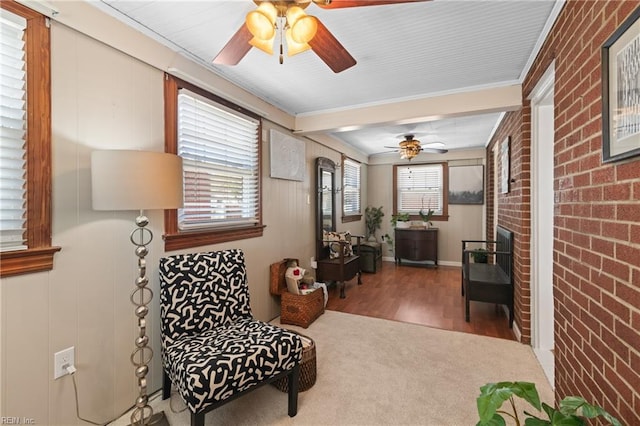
point(410, 147)
point(275, 19)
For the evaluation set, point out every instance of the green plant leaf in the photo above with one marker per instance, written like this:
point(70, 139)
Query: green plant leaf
point(560, 419)
point(577, 405)
point(534, 421)
point(496, 420)
point(492, 396)
point(528, 392)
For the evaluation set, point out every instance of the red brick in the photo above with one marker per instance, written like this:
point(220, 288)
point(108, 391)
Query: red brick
point(615, 268)
point(628, 253)
point(628, 171)
point(617, 308)
point(620, 191)
point(628, 335)
point(604, 247)
point(619, 231)
point(628, 212)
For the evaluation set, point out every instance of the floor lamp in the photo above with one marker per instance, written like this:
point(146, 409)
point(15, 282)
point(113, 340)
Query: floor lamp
point(138, 180)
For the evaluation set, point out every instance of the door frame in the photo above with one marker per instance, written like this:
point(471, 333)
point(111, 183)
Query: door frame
point(542, 214)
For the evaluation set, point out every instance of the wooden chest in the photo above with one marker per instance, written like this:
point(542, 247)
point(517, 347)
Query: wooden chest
point(295, 309)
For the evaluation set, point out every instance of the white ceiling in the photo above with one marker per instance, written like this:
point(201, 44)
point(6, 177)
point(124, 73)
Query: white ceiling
point(404, 52)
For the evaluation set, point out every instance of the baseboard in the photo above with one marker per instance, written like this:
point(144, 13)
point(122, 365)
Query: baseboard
point(440, 262)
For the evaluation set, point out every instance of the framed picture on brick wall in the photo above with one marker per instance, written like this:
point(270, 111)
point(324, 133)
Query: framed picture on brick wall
point(621, 92)
point(505, 171)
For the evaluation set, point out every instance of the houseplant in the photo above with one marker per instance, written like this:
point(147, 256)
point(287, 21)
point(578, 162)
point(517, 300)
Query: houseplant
point(426, 217)
point(480, 255)
point(400, 220)
point(572, 410)
point(373, 220)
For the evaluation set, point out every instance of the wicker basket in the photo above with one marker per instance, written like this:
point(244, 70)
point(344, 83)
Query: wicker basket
point(295, 309)
point(307, 368)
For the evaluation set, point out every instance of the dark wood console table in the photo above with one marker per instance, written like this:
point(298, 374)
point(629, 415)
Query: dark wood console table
point(416, 245)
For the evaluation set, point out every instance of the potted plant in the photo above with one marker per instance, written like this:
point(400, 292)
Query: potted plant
point(400, 220)
point(572, 410)
point(373, 220)
point(480, 255)
point(426, 217)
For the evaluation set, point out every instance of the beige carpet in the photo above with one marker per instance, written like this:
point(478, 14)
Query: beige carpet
point(378, 372)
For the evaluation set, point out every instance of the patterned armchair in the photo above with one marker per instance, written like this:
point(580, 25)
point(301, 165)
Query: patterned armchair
point(212, 349)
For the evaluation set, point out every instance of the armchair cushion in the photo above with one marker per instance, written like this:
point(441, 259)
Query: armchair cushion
point(217, 364)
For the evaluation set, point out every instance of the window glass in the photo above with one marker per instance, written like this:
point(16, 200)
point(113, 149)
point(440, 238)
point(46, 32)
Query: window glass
point(351, 188)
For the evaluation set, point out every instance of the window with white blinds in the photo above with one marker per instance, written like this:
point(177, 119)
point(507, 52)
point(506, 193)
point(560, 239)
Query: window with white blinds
point(350, 187)
point(420, 187)
point(220, 152)
point(13, 195)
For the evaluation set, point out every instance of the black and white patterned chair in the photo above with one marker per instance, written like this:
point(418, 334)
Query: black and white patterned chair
point(212, 349)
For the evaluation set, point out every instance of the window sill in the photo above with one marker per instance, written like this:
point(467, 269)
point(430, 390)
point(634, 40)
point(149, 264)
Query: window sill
point(27, 261)
point(202, 238)
point(354, 218)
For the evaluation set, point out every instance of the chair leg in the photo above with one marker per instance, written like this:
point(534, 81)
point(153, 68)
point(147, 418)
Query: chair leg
point(294, 381)
point(166, 385)
point(342, 285)
point(359, 277)
point(197, 419)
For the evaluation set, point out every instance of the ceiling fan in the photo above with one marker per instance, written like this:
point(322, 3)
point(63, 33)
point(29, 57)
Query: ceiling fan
point(274, 18)
point(410, 147)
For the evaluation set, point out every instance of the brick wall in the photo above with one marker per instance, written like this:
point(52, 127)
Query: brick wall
point(597, 219)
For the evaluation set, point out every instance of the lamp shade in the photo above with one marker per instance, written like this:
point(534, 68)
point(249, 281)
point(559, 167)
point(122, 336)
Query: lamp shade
point(135, 180)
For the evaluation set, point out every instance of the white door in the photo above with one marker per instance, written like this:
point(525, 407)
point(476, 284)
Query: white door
point(542, 199)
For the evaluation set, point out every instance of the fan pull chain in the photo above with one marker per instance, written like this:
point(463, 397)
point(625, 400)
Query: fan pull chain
point(281, 49)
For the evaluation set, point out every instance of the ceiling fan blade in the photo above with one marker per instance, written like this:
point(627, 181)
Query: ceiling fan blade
point(236, 48)
point(339, 4)
point(329, 49)
point(435, 150)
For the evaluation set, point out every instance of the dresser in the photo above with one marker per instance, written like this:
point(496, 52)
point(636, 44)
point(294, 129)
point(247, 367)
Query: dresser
point(416, 245)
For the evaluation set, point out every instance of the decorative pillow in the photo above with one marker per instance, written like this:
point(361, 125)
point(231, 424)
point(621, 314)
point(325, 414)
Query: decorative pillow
point(331, 239)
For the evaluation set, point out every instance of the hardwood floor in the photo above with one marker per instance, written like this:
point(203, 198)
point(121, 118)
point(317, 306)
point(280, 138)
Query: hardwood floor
point(419, 295)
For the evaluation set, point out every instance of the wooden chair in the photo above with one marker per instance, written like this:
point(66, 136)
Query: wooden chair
point(213, 350)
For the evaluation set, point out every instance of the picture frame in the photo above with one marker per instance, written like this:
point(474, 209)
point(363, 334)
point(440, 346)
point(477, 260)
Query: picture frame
point(287, 155)
point(505, 168)
point(466, 184)
point(620, 88)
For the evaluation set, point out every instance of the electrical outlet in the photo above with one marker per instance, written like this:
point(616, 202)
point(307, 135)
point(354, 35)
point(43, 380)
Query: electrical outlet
point(61, 360)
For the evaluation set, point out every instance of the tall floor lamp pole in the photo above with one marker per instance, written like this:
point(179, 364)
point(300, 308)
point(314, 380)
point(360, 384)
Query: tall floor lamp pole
point(138, 180)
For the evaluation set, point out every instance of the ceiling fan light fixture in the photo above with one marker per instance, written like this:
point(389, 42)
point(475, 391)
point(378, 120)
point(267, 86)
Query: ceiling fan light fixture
point(293, 47)
point(262, 21)
point(265, 45)
point(303, 27)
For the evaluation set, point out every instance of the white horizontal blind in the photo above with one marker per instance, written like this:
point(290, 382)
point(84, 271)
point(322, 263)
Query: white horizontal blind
point(13, 195)
point(420, 186)
point(220, 153)
point(351, 187)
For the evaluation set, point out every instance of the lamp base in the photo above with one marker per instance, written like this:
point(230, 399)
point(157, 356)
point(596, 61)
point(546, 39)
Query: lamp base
point(157, 419)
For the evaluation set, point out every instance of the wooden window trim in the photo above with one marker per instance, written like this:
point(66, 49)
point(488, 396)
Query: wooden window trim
point(174, 239)
point(39, 255)
point(444, 217)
